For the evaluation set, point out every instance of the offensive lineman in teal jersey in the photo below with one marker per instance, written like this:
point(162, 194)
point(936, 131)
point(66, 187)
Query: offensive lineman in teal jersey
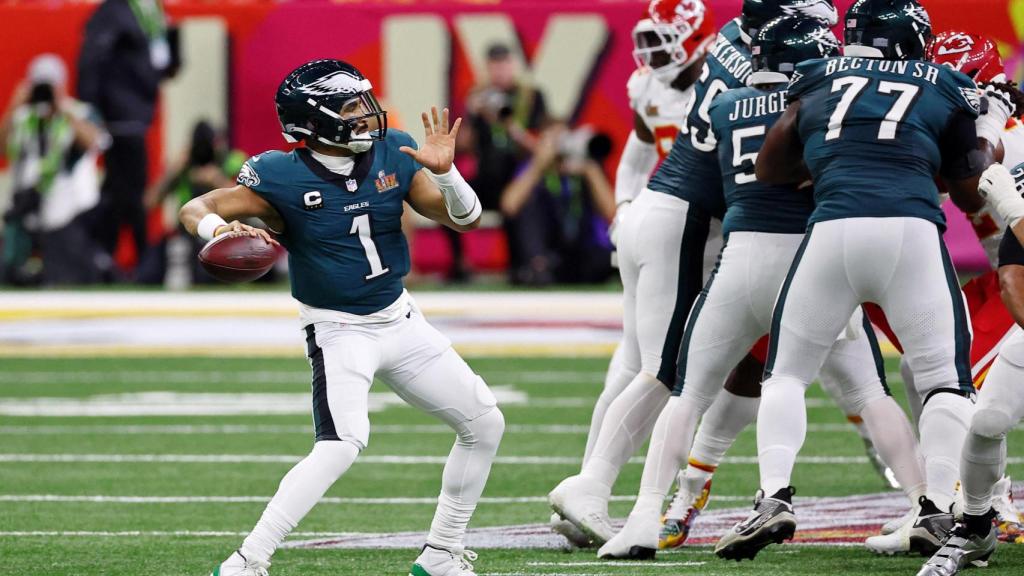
point(336, 205)
point(764, 226)
point(874, 128)
point(687, 189)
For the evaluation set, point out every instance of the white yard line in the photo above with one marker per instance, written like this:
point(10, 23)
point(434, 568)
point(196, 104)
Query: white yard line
point(214, 429)
point(256, 377)
point(158, 533)
point(373, 459)
point(102, 499)
point(631, 563)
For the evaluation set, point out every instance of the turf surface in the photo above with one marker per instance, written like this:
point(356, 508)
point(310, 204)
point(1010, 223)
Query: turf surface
point(550, 421)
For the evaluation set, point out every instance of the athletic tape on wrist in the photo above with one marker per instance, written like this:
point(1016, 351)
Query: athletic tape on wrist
point(208, 225)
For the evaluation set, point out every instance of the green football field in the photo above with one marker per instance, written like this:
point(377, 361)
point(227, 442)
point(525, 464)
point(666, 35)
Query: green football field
point(113, 467)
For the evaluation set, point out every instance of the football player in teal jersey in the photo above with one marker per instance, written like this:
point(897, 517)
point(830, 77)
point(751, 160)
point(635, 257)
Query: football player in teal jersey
point(873, 129)
point(336, 205)
point(681, 199)
point(764, 225)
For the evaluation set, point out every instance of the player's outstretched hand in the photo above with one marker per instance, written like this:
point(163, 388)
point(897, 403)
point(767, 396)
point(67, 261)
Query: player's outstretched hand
point(438, 150)
point(238, 227)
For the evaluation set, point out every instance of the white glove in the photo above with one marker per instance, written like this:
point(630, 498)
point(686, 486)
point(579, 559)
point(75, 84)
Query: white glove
point(998, 187)
point(620, 215)
point(1000, 109)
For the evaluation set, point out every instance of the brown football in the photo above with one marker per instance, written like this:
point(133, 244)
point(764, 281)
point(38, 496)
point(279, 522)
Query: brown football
point(237, 257)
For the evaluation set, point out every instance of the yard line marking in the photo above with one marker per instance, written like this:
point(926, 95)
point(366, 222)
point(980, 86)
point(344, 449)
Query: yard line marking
point(157, 376)
point(102, 499)
point(375, 459)
point(186, 429)
point(179, 429)
point(631, 563)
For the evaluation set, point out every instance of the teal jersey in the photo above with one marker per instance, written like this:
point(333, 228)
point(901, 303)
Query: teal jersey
point(691, 169)
point(346, 250)
point(740, 119)
point(871, 131)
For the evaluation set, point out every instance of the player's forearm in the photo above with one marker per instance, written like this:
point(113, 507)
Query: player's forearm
point(200, 211)
point(638, 159)
point(1011, 289)
point(460, 200)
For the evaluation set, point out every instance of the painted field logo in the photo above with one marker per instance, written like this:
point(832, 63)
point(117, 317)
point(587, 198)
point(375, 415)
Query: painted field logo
point(839, 521)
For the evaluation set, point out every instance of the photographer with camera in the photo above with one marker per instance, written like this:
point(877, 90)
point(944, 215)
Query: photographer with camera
point(557, 210)
point(52, 144)
point(208, 163)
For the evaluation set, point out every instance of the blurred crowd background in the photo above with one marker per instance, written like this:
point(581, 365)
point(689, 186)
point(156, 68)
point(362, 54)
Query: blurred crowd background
point(120, 111)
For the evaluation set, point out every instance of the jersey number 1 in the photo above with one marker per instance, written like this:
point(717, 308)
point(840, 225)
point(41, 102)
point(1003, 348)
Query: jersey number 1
point(852, 86)
point(361, 226)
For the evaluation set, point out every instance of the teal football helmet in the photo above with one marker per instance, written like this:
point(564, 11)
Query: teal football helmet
point(786, 41)
point(330, 102)
point(890, 29)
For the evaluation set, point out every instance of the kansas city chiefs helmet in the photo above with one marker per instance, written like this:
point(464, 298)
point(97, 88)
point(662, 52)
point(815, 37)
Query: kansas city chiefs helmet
point(974, 55)
point(675, 34)
point(786, 41)
point(330, 102)
point(891, 29)
point(757, 13)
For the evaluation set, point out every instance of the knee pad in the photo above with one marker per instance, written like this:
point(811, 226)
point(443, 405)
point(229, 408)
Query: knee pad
point(861, 396)
point(485, 430)
point(991, 423)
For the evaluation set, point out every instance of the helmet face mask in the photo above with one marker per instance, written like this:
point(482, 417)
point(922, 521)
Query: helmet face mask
point(676, 34)
point(330, 102)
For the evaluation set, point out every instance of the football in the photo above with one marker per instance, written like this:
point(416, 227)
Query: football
point(237, 257)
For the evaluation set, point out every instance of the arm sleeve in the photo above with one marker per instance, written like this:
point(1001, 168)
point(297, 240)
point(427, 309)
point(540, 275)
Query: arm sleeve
point(958, 145)
point(638, 160)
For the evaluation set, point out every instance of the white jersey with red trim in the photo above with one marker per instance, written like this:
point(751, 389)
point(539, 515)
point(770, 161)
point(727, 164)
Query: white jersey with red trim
point(661, 108)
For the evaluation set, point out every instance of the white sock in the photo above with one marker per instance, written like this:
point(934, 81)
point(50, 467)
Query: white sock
point(670, 445)
point(944, 422)
point(300, 489)
point(728, 416)
point(615, 381)
point(781, 429)
point(627, 424)
point(464, 477)
point(982, 464)
point(887, 426)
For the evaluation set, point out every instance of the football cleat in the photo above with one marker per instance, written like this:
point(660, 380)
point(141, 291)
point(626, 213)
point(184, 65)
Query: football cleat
point(1009, 521)
point(771, 522)
point(238, 565)
point(681, 514)
point(924, 535)
point(440, 562)
point(566, 529)
point(897, 523)
point(961, 549)
point(585, 505)
point(638, 539)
